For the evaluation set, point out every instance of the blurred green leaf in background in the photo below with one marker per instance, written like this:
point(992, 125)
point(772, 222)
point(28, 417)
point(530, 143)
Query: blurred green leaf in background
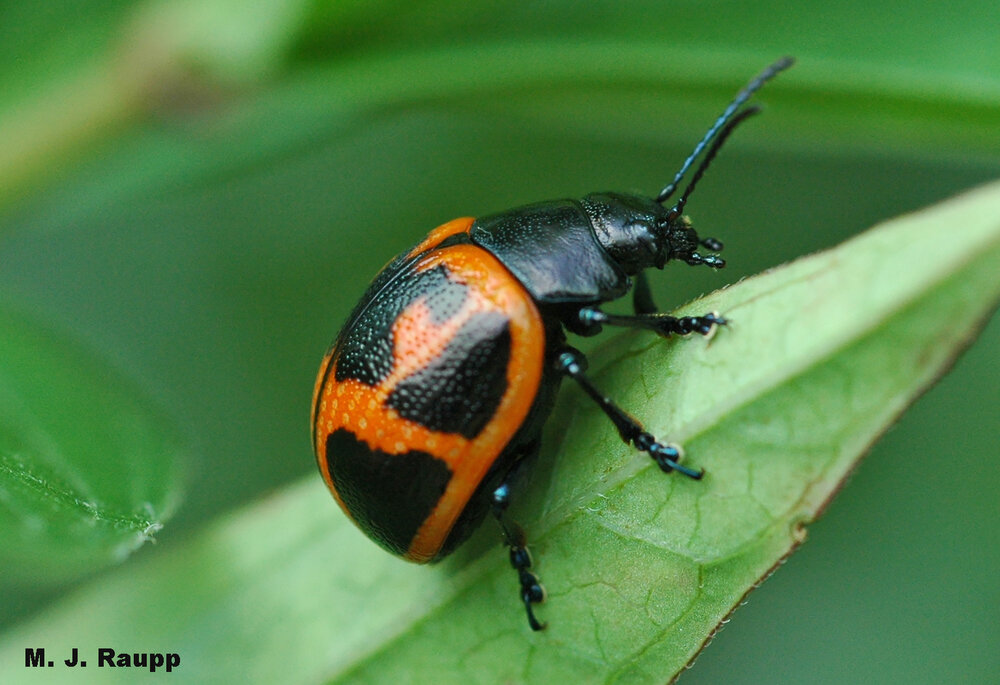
point(87, 472)
point(198, 192)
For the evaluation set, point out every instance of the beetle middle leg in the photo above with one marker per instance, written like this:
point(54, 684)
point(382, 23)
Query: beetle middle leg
point(573, 363)
point(532, 591)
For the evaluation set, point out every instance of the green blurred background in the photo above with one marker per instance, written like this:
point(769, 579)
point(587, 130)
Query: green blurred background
point(200, 191)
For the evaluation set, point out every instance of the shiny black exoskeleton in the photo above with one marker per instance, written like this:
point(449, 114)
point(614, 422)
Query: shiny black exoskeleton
point(436, 389)
point(573, 255)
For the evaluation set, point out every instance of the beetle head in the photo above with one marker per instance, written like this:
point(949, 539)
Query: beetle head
point(638, 232)
point(682, 242)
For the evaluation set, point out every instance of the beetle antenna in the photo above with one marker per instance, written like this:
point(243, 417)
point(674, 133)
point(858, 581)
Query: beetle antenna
point(723, 119)
point(745, 114)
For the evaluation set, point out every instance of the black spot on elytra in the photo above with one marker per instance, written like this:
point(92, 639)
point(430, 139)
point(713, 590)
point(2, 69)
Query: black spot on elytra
point(389, 495)
point(459, 390)
point(365, 345)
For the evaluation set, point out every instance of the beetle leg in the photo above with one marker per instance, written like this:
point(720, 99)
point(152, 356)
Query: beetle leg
point(572, 363)
point(532, 591)
point(714, 261)
point(642, 296)
point(664, 324)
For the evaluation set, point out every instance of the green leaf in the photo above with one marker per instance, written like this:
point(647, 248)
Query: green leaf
point(89, 471)
point(641, 567)
point(557, 84)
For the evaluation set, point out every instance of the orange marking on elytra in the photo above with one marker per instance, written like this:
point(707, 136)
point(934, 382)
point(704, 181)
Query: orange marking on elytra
point(445, 230)
point(417, 341)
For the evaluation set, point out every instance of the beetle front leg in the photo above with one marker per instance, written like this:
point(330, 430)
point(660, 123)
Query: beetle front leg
point(592, 318)
point(532, 591)
point(573, 363)
point(642, 295)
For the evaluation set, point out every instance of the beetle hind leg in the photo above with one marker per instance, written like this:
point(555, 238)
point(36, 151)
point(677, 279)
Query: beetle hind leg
point(573, 363)
point(532, 591)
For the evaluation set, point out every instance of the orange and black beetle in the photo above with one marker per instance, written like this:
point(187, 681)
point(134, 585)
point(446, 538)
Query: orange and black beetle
point(439, 382)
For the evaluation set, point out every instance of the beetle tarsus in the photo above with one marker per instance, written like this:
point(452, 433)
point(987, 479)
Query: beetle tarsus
point(573, 363)
point(667, 458)
point(704, 324)
point(532, 591)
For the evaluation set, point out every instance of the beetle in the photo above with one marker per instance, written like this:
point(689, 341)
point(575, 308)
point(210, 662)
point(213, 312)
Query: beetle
point(436, 389)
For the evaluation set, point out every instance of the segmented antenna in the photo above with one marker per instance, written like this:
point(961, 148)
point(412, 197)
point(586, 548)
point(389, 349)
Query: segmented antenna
point(745, 114)
point(723, 119)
